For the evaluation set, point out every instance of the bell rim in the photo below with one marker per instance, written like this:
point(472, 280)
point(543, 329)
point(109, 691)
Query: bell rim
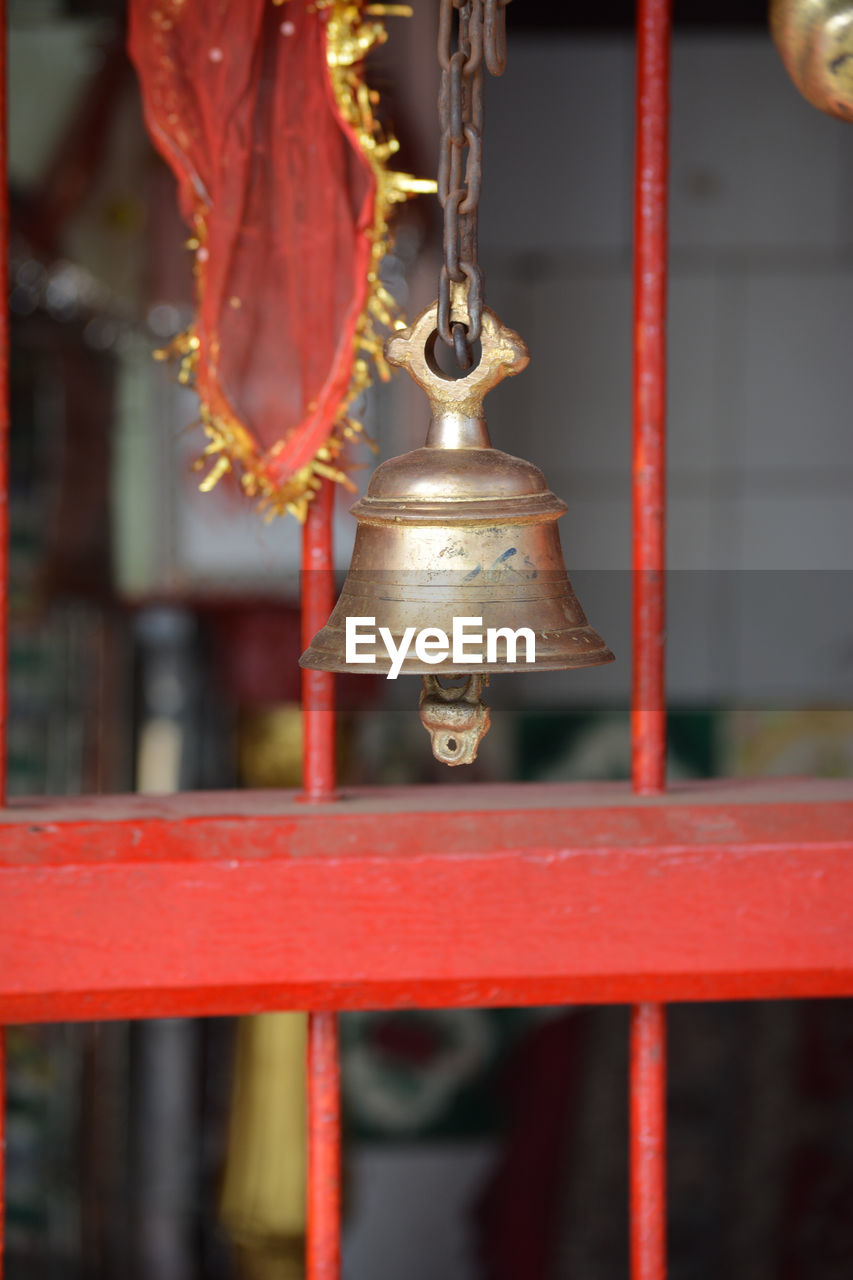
point(315, 659)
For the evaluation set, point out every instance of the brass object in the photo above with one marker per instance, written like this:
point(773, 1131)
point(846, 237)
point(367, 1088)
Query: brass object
point(455, 717)
point(815, 42)
point(458, 530)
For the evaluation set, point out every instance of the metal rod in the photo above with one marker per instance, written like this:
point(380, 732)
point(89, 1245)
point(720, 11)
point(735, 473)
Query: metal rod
point(648, 1142)
point(324, 1148)
point(318, 687)
point(647, 1084)
point(648, 710)
point(2, 1147)
point(318, 782)
point(4, 411)
point(4, 536)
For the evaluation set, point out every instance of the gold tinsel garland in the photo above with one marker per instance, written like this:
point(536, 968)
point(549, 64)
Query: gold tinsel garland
point(353, 28)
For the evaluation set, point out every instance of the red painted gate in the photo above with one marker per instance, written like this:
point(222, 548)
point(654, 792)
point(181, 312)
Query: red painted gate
point(471, 896)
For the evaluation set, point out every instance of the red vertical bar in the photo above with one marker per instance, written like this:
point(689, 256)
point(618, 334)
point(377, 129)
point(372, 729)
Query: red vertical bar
point(318, 781)
point(648, 712)
point(648, 1142)
point(324, 1148)
point(4, 535)
point(2, 1147)
point(318, 687)
point(4, 408)
point(647, 1084)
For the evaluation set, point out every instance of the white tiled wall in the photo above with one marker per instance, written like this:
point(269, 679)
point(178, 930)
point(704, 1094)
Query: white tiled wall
point(798, 397)
point(545, 121)
point(760, 349)
point(753, 167)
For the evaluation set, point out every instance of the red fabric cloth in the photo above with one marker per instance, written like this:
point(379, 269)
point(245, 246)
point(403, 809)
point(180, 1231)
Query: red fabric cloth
point(238, 100)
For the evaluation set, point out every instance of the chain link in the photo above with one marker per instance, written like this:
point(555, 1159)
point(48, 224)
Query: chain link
point(480, 43)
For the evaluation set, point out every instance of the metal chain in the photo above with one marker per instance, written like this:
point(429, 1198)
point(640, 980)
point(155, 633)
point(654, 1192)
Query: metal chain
point(480, 40)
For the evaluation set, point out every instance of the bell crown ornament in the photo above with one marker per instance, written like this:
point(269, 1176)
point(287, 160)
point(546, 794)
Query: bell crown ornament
point(457, 478)
point(457, 530)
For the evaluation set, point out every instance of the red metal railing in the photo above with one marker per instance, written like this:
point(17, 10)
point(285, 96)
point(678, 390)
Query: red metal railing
point(318, 782)
point(425, 896)
point(648, 708)
point(318, 687)
point(647, 1142)
point(4, 533)
point(2, 1146)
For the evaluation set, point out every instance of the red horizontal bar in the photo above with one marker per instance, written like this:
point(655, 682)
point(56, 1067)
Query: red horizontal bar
point(434, 896)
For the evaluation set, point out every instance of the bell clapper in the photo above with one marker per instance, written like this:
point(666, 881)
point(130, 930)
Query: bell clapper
point(455, 717)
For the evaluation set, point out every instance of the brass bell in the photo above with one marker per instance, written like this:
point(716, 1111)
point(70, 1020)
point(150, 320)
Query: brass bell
point(457, 568)
point(815, 41)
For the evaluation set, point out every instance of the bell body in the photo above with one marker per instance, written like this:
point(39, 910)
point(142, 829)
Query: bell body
point(459, 530)
point(451, 532)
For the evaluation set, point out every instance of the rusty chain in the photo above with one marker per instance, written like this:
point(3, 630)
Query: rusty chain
point(480, 41)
